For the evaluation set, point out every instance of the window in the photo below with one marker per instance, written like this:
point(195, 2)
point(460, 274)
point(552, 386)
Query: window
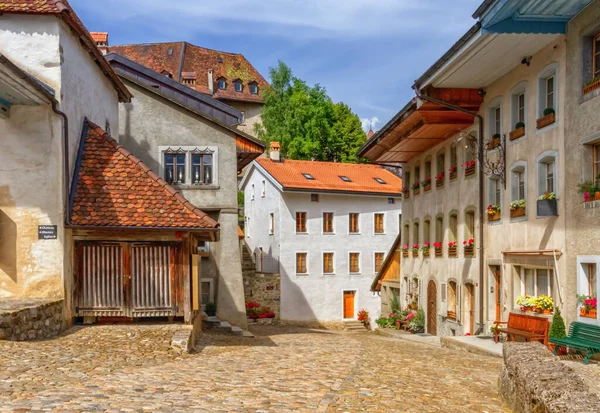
point(301, 222)
point(107, 127)
point(314, 197)
point(426, 230)
point(547, 175)
point(518, 188)
point(175, 168)
point(301, 263)
point(391, 201)
point(345, 178)
point(379, 223)
point(548, 89)
point(263, 190)
point(469, 225)
point(206, 292)
point(222, 84)
point(453, 228)
point(453, 157)
point(238, 86)
point(328, 263)
point(328, 222)
point(596, 56)
point(452, 300)
point(417, 174)
point(308, 176)
point(379, 256)
point(441, 163)
point(253, 88)
point(406, 175)
point(495, 120)
point(271, 223)
point(427, 169)
point(354, 262)
point(415, 233)
point(521, 108)
point(596, 161)
point(495, 191)
point(591, 279)
point(406, 234)
point(550, 92)
point(353, 223)
point(379, 181)
point(439, 229)
point(252, 193)
point(536, 281)
point(202, 169)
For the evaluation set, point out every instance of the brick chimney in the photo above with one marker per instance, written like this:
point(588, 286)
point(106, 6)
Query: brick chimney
point(211, 82)
point(274, 151)
point(101, 39)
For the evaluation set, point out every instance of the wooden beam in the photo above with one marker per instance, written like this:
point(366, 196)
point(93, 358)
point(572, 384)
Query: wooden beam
point(187, 281)
point(195, 282)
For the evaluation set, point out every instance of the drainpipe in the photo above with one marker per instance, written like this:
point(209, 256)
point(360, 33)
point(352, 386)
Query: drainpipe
point(481, 189)
point(65, 136)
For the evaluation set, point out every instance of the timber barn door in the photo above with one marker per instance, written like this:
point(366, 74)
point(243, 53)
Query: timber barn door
point(127, 279)
point(432, 308)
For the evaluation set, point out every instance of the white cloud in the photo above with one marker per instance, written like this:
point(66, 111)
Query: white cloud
point(370, 123)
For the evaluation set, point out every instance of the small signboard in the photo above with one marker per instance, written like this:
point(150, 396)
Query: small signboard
point(47, 232)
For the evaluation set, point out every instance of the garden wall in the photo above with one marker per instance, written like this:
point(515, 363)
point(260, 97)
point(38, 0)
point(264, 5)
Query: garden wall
point(264, 289)
point(534, 381)
point(31, 319)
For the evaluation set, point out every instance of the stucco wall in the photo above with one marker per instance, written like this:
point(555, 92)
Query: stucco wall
point(582, 125)
point(529, 232)
point(251, 112)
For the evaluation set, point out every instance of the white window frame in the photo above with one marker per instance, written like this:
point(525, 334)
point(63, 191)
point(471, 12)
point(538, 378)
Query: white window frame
point(540, 160)
point(552, 70)
point(211, 293)
point(518, 91)
point(495, 184)
point(359, 263)
point(582, 282)
point(323, 263)
point(551, 279)
point(189, 151)
point(518, 167)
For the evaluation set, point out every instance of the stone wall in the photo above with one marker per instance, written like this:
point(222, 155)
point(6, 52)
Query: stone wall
point(264, 289)
point(534, 381)
point(22, 320)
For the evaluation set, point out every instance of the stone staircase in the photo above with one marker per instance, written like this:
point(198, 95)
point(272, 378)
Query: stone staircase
point(213, 322)
point(354, 326)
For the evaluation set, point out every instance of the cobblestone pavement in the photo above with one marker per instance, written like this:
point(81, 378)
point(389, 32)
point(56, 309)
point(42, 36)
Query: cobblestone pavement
point(132, 369)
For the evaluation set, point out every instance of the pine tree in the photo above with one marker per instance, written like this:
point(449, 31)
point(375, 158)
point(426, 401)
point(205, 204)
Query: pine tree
point(557, 329)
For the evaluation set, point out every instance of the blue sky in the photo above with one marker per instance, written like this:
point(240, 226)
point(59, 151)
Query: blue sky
point(366, 53)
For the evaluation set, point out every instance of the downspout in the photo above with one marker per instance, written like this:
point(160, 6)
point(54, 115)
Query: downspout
point(65, 136)
point(481, 200)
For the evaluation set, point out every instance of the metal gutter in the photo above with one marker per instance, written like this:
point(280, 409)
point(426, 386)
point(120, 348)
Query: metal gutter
point(483, 8)
point(343, 192)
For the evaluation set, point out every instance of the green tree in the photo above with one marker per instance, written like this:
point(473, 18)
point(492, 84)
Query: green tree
point(306, 122)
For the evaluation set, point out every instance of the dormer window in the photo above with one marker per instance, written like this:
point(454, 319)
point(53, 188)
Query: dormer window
point(254, 88)
point(238, 86)
point(167, 74)
point(345, 178)
point(308, 176)
point(188, 78)
point(379, 181)
point(221, 83)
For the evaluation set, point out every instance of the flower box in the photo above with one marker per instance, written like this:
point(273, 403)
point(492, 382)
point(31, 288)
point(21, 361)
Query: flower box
point(439, 252)
point(595, 84)
point(406, 195)
point(547, 207)
point(470, 170)
point(416, 191)
point(596, 197)
point(427, 187)
point(469, 251)
point(588, 313)
point(439, 182)
point(453, 175)
point(496, 216)
point(453, 252)
point(493, 144)
point(546, 120)
point(519, 212)
point(517, 133)
point(415, 254)
point(405, 254)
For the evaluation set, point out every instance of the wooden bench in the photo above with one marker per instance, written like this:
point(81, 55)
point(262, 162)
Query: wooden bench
point(582, 337)
point(530, 328)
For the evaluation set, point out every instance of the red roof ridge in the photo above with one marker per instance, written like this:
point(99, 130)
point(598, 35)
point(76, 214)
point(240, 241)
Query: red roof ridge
point(178, 42)
point(153, 175)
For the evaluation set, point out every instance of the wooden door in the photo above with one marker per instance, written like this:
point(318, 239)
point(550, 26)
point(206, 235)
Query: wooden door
point(498, 292)
point(470, 307)
point(432, 308)
point(349, 304)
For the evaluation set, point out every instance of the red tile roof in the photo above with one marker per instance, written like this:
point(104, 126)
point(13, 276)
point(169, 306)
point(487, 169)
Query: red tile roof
point(199, 60)
point(63, 10)
point(113, 188)
point(327, 176)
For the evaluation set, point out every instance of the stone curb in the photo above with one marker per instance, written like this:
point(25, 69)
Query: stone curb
point(383, 332)
point(448, 342)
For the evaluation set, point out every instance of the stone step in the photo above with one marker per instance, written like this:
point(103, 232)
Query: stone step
point(224, 327)
point(237, 331)
point(247, 334)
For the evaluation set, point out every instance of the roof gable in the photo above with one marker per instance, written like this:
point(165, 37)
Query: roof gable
point(113, 188)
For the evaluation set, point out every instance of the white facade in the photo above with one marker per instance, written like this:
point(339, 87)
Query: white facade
point(313, 295)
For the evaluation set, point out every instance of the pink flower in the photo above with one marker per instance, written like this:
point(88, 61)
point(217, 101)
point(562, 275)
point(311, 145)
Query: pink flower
point(586, 196)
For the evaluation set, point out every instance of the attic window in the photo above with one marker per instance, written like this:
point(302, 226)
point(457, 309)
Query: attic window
point(188, 78)
point(238, 86)
point(309, 177)
point(380, 181)
point(167, 74)
point(222, 84)
point(254, 88)
point(170, 52)
point(219, 60)
point(345, 178)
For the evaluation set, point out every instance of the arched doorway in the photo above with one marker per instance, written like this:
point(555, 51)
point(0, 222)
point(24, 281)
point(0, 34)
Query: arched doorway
point(469, 307)
point(432, 308)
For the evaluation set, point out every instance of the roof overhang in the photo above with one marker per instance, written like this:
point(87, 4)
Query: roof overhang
point(19, 88)
point(422, 125)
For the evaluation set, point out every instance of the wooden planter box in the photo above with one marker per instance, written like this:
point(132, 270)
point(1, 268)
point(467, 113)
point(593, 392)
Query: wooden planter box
point(591, 87)
point(405, 253)
point(439, 182)
point(453, 175)
point(469, 251)
point(427, 187)
point(415, 254)
point(519, 212)
point(470, 170)
point(516, 134)
point(453, 252)
point(494, 217)
point(427, 253)
point(587, 313)
point(546, 120)
point(416, 191)
point(406, 194)
point(493, 144)
point(439, 252)
point(547, 207)
point(596, 197)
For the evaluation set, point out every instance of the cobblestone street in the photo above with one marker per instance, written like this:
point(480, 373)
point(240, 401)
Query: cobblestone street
point(132, 368)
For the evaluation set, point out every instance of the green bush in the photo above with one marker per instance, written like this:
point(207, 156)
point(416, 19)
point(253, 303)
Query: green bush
point(211, 309)
point(548, 111)
point(241, 198)
point(557, 328)
point(519, 125)
point(395, 304)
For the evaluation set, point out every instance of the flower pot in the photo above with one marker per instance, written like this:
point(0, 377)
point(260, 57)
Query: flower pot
point(547, 207)
point(493, 144)
point(519, 212)
point(453, 252)
point(469, 251)
point(591, 87)
point(546, 120)
point(439, 252)
point(427, 187)
point(426, 253)
point(494, 217)
point(587, 313)
point(405, 254)
point(439, 182)
point(453, 175)
point(406, 195)
point(415, 254)
point(470, 170)
point(416, 191)
point(596, 197)
point(517, 133)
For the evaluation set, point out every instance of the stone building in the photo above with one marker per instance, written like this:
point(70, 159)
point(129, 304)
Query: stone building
point(326, 227)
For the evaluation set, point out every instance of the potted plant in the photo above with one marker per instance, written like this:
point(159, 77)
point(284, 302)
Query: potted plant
point(548, 118)
point(210, 309)
point(426, 248)
point(494, 142)
point(438, 249)
point(417, 323)
point(363, 317)
point(517, 208)
point(526, 303)
point(590, 190)
point(469, 167)
point(518, 132)
point(406, 192)
point(557, 330)
point(405, 251)
point(439, 179)
point(452, 249)
point(588, 306)
point(453, 171)
point(416, 188)
point(592, 85)
point(469, 246)
point(547, 205)
point(543, 304)
point(415, 250)
point(493, 212)
point(426, 184)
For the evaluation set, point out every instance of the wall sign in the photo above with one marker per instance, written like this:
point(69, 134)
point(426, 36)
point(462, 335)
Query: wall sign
point(47, 232)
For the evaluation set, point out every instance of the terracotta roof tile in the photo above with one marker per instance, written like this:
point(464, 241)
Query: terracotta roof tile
point(63, 10)
point(327, 176)
point(114, 189)
point(198, 61)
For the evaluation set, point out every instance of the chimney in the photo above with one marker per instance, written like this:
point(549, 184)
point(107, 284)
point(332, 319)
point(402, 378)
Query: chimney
point(101, 39)
point(211, 83)
point(274, 149)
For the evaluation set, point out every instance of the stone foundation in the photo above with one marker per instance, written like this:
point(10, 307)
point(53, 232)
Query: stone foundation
point(534, 381)
point(31, 319)
point(327, 325)
point(264, 289)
